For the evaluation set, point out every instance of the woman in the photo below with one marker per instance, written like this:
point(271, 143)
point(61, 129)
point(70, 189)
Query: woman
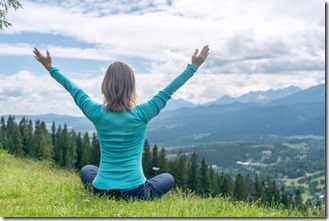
point(121, 128)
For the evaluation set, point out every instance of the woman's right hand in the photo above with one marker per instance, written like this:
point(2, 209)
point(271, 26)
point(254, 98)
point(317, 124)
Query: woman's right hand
point(198, 59)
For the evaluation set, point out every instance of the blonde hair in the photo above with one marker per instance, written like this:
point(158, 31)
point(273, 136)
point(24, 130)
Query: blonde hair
point(118, 87)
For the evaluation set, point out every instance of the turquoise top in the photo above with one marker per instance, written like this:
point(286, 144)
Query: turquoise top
point(121, 134)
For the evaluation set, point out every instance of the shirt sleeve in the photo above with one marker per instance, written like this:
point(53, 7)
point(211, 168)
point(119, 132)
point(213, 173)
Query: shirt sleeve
point(153, 107)
point(89, 108)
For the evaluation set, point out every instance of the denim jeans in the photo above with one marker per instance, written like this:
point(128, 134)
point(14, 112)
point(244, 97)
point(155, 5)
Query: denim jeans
point(152, 188)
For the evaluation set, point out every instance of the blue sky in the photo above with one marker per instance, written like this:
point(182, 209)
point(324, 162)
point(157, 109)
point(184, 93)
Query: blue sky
point(255, 45)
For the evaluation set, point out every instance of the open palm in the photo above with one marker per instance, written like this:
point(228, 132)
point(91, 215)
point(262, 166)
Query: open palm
point(198, 59)
point(44, 60)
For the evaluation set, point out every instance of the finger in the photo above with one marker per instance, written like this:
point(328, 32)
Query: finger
point(196, 52)
point(34, 51)
point(205, 51)
point(48, 54)
point(205, 48)
point(37, 52)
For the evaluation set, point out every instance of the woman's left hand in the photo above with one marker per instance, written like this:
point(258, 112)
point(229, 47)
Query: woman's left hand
point(44, 60)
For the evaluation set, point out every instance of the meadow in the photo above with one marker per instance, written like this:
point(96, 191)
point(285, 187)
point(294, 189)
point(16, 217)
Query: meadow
point(32, 188)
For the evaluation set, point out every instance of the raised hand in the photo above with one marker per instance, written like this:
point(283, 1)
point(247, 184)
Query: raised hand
point(44, 60)
point(198, 59)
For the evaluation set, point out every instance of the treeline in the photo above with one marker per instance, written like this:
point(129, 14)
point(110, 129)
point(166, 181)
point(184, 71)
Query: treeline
point(72, 150)
point(65, 147)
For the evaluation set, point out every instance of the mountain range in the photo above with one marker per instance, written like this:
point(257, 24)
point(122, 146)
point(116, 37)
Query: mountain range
point(259, 96)
point(251, 97)
point(299, 112)
point(286, 112)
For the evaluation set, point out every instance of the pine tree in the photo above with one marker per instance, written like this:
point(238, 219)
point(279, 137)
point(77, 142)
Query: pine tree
point(238, 187)
point(291, 200)
point(267, 196)
point(204, 189)
point(181, 171)
point(172, 168)
point(155, 159)
point(53, 135)
point(37, 136)
point(26, 130)
point(3, 135)
point(15, 144)
point(259, 190)
point(42, 147)
point(298, 200)
point(71, 151)
point(63, 147)
point(47, 146)
point(227, 185)
point(79, 163)
point(284, 197)
point(249, 192)
point(193, 173)
point(95, 151)
point(85, 150)
point(9, 129)
point(220, 179)
point(263, 188)
point(163, 162)
point(147, 160)
point(274, 192)
point(214, 186)
point(58, 152)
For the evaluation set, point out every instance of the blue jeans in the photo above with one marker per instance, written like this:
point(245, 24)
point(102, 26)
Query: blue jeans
point(152, 188)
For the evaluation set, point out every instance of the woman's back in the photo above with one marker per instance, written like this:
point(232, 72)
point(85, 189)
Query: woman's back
point(121, 138)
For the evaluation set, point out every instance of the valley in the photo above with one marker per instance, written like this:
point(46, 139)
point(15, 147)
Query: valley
point(288, 160)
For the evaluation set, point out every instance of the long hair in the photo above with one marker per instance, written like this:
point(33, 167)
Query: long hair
point(118, 88)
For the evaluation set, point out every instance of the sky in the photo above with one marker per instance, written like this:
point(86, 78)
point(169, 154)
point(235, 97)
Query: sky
point(254, 45)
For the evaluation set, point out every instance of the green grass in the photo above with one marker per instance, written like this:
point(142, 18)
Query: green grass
point(39, 189)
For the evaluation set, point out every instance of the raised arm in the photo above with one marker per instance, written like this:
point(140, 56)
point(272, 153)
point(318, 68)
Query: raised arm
point(196, 60)
point(88, 107)
point(153, 107)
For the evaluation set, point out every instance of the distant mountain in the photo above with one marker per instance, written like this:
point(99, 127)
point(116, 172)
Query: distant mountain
point(302, 113)
point(212, 123)
point(174, 104)
point(259, 96)
point(310, 95)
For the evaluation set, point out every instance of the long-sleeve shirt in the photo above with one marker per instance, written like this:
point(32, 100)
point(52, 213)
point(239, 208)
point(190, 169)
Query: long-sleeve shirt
point(121, 134)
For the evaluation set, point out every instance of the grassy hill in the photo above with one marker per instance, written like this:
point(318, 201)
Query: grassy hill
point(39, 189)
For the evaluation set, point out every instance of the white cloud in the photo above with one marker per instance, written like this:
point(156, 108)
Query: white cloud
point(255, 45)
point(182, 25)
point(23, 49)
point(26, 93)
